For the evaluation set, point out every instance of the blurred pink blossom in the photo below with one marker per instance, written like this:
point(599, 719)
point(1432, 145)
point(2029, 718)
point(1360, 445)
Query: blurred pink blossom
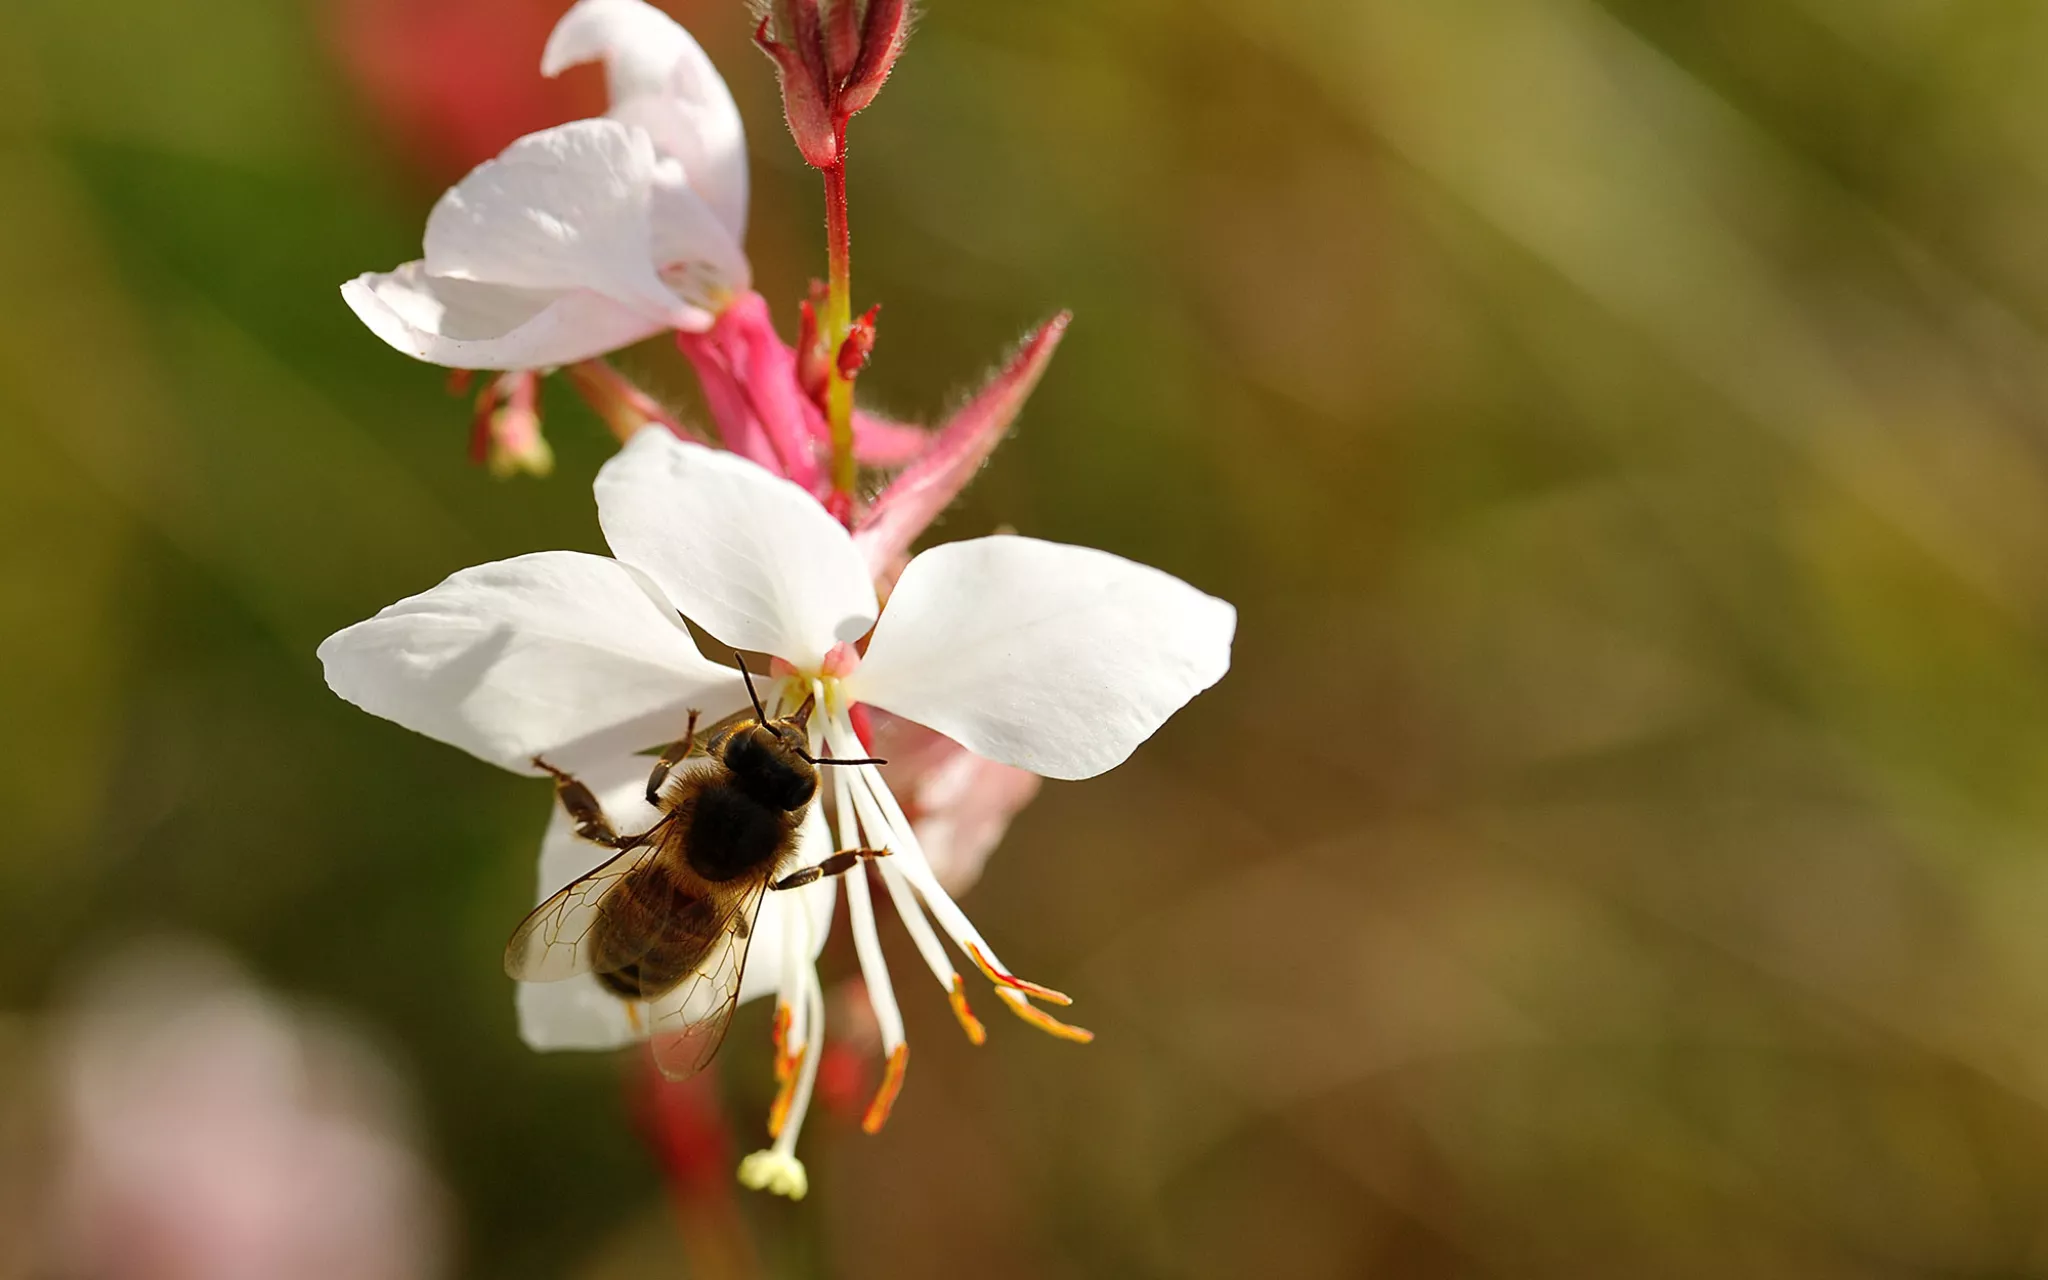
point(451, 82)
point(207, 1133)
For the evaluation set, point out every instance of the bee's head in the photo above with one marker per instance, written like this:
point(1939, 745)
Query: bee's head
point(769, 760)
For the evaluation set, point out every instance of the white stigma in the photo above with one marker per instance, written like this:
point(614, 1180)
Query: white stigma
point(775, 1171)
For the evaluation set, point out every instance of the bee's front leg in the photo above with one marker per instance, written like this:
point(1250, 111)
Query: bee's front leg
point(838, 864)
point(584, 810)
point(678, 750)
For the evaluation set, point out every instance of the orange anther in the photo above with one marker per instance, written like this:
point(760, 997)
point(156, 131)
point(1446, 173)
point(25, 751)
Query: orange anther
point(885, 1097)
point(785, 1061)
point(778, 1111)
point(786, 1065)
point(1002, 979)
point(957, 997)
point(1044, 1021)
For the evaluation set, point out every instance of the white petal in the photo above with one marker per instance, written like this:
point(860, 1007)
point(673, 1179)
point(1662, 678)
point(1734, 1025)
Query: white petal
point(713, 156)
point(638, 42)
point(1053, 658)
point(699, 260)
point(463, 324)
point(578, 1013)
point(558, 654)
point(575, 1013)
point(661, 80)
point(565, 208)
point(749, 557)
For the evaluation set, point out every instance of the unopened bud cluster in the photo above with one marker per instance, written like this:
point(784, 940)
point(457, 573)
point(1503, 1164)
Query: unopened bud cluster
point(832, 57)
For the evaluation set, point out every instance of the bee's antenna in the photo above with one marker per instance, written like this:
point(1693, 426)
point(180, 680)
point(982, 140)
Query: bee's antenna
point(752, 697)
point(811, 759)
point(802, 754)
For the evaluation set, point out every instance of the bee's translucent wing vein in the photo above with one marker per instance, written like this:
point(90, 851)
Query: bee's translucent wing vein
point(554, 941)
point(689, 1022)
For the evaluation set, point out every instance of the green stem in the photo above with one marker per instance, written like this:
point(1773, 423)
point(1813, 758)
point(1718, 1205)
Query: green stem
point(834, 325)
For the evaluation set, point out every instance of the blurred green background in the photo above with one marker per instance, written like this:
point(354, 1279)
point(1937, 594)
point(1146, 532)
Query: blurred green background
point(1621, 847)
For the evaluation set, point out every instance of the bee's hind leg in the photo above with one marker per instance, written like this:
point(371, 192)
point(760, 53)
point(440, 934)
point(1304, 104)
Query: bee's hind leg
point(676, 752)
point(838, 864)
point(583, 809)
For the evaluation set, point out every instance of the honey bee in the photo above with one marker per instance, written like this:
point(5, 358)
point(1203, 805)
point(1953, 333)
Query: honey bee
point(668, 920)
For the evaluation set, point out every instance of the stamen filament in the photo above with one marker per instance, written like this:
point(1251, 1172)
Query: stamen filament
point(908, 909)
point(919, 870)
point(789, 993)
point(912, 915)
point(1014, 991)
point(911, 912)
point(867, 945)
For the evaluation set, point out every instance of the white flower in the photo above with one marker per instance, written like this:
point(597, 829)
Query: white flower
point(1051, 658)
point(589, 236)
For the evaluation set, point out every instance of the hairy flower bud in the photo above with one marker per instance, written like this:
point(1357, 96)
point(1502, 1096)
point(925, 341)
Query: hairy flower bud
point(882, 34)
point(832, 57)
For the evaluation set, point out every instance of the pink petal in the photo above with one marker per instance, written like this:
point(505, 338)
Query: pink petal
point(878, 442)
point(749, 378)
point(916, 497)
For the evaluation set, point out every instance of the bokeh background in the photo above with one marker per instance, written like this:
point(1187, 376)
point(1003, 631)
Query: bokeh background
point(1621, 847)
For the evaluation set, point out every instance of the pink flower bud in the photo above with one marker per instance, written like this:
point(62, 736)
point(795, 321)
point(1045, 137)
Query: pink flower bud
point(881, 39)
point(505, 434)
point(806, 97)
point(842, 40)
point(832, 57)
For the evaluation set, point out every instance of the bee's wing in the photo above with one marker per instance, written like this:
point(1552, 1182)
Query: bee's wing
point(688, 1022)
point(559, 939)
point(708, 733)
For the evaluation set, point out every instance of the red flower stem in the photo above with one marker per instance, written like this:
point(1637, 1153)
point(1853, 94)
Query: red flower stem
point(837, 321)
